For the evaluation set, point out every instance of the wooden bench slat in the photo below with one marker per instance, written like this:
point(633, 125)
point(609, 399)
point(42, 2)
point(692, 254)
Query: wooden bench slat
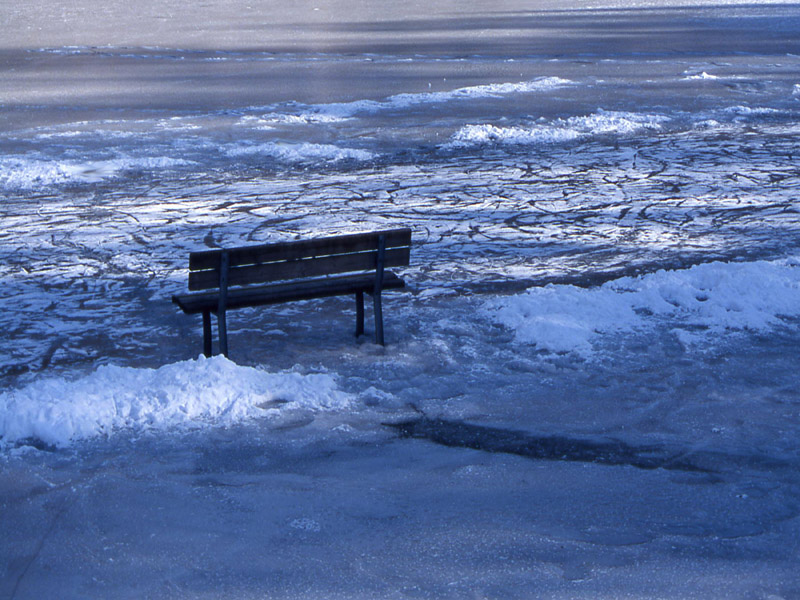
point(285, 292)
point(297, 269)
point(317, 247)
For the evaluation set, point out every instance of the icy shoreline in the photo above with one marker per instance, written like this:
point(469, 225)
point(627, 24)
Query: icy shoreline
point(701, 305)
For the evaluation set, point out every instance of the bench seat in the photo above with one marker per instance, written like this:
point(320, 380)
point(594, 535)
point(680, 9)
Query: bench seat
point(321, 287)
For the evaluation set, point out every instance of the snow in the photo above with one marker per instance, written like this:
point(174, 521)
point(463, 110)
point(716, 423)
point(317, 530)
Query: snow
point(339, 112)
point(297, 153)
point(306, 118)
point(700, 305)
point(405, 101)
point(702, 75)
point(714, 297)
point(187, 394)
point(562, 130)
point(33, 173)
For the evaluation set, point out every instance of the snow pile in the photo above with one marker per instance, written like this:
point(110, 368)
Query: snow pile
point(560, 130)
point(305, 118)
point(747, 111)
point(702, 75)
point(300, 153)
point(27, 173)
point(180, 395)
point(474, 135)
point(717, 297)
point(492, 90)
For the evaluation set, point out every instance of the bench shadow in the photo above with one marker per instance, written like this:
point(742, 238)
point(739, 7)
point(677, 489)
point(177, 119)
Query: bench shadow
point(458, 434)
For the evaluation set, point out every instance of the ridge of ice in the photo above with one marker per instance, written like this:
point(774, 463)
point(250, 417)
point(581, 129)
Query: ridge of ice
point(27, 173)
point(561, 130)
point(304, 152)
point(702, 75)
point(406, 100)
point(305, 118)
point(750, 110)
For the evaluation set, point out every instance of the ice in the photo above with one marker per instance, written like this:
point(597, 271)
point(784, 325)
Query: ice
point(589, 387)
point(716, 298)
point(405, 101)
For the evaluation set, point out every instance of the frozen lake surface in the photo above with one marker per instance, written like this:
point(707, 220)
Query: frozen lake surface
point(589, 388)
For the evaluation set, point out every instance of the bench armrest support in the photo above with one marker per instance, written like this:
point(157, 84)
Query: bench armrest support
point(222, 323)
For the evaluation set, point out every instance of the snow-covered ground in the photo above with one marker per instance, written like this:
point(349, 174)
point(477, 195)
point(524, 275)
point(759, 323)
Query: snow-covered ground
point(589, 388)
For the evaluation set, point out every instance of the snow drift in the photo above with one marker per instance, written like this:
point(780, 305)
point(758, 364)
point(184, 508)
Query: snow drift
point(186, 394)
point(715, 297)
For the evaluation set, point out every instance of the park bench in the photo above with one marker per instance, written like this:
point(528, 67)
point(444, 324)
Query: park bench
point(226, 279)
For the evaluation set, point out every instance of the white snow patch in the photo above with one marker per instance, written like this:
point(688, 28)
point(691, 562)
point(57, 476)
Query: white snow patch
point(702, 75)
point(299, 153)
point(750, 110)
point(719, 297)
point(305, 118)
point(24, 173)
point(187, 394)
point(560, 130)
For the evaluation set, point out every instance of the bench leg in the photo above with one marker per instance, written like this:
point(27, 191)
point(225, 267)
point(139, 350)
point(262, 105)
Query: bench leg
point(207, 333)
point(376, 303)
point(359, 313)
point(222, 327)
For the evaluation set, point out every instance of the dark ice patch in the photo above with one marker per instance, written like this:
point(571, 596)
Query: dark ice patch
point(458, 434)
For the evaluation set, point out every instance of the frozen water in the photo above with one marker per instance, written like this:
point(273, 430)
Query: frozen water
point(589, 388)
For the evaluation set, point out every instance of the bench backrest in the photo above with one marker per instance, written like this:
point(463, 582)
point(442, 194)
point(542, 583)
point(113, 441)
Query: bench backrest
point(299, 259)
